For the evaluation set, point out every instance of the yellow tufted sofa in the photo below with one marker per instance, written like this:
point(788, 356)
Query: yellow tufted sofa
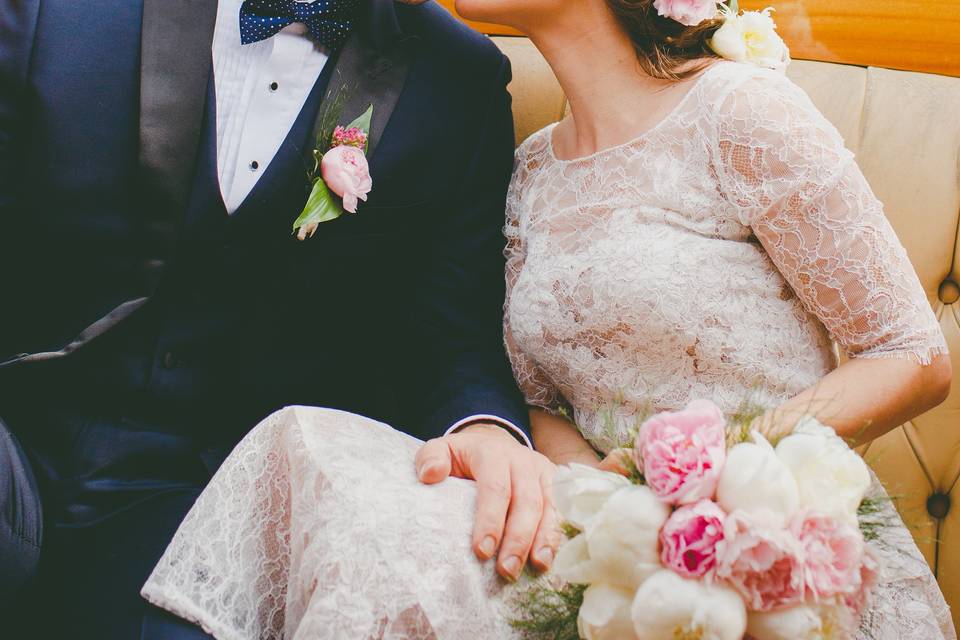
point(905, 129)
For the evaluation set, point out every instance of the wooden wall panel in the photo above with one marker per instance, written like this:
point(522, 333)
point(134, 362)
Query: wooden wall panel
point(916, 35)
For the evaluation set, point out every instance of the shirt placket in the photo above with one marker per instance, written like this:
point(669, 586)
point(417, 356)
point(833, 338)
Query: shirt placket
point(273, 98)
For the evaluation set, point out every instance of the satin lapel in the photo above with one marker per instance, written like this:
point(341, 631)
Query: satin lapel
point(367, 74)
point(175, 67)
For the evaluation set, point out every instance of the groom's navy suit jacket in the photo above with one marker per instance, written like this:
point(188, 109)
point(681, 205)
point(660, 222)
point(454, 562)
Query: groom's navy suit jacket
point(143, 331)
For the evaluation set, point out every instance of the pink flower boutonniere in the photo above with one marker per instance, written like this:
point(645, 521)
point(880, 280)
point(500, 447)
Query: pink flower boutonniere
point(340, 176)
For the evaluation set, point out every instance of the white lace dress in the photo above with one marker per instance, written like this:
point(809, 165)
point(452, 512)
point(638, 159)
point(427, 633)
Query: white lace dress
point(714, 257)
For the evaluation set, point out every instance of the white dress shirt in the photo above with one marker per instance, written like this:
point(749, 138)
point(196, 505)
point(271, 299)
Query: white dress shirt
point(261, 88)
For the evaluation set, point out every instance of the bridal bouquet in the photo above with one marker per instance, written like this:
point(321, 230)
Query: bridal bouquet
point(718, 534)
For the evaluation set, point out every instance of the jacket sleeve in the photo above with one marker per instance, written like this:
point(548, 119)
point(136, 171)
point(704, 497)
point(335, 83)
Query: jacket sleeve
point(18, 20)
point(17, 25)
point(459, 309)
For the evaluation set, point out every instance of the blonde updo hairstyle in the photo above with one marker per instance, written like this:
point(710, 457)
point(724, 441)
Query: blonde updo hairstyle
point(665, 48)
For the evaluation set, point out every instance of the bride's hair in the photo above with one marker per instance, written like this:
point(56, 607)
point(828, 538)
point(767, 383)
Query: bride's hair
point(666, 49)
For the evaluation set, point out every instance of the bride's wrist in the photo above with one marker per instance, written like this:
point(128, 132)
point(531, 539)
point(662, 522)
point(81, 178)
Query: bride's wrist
point(580, 456)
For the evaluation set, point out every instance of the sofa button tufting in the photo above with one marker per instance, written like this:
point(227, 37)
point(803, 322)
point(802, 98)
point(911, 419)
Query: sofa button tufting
point(949, 292)
point(938, 505)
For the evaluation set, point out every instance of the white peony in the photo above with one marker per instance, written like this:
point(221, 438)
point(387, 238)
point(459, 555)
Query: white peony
point(605, 613)
point(573, 562)
point(751, 37)
point(756, 481)
point(831, 477)
point(619, 545)
point(579, 492)
point(667, 607)
point(796, 623)
point(813, 427)
point(623, 539)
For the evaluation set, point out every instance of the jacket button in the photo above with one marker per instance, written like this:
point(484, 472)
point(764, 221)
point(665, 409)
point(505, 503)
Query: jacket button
point(938, 505)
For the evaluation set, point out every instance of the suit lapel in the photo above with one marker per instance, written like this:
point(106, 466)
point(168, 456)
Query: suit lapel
point(370, 69)
point(175, 68)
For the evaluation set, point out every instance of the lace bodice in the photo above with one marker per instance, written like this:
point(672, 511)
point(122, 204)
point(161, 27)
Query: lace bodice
point(720, 253)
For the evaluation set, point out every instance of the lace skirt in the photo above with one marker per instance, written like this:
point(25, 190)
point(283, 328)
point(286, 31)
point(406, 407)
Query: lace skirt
point(316, 527)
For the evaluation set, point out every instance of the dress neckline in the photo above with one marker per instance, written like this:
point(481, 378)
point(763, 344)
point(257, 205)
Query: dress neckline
point(674, 111)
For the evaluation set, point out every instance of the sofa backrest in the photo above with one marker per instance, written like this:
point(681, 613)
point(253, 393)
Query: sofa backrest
point(905, 129)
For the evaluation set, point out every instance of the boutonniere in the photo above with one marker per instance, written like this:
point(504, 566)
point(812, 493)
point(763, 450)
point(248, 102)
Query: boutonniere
point(340, 176)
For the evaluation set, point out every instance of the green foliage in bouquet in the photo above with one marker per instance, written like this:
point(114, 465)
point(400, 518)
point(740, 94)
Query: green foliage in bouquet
point(871, 516)
point(739, 425)
point(545, 612)
point(569, 531)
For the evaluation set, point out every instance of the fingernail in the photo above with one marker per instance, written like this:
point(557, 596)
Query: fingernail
point(488, 546)
point(426, 469)
point(512, 566)
point(545, 557)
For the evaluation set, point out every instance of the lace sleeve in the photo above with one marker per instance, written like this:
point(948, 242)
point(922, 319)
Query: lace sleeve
point(786, 170)
point(534, 383)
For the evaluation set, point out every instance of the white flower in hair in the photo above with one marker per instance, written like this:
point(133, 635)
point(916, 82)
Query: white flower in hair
point(750, 37)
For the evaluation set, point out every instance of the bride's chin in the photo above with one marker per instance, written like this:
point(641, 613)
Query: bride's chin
point(494, 11)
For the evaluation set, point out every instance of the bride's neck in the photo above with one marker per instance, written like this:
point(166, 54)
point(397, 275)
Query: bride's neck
point(596, 65)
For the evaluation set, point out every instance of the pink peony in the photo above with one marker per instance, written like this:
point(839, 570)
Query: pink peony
point(762, 561)
point(860, 600)
point(832, 555)
point(687, 12)
point(682, 453)
point(689, 539)
point(347, 174)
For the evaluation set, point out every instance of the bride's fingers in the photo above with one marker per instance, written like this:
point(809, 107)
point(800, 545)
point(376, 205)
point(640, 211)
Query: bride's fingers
point(523, 520)
point(547, 542)
point(617, 461)
point(433, 461)
point(493, 499)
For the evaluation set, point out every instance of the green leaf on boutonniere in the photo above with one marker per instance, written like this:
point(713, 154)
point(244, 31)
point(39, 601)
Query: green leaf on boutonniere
point(322, 206)
point(363, 123)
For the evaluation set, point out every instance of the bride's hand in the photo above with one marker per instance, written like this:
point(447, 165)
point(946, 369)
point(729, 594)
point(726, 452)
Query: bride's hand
point(514, 500)
point(617, 461)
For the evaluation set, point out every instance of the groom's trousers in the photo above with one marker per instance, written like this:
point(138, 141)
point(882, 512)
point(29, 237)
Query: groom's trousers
point(92, 568)
point(114, 489)
point(21, 522)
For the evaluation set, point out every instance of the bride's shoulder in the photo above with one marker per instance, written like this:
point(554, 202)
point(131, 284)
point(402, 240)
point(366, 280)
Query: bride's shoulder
point(532, 155)
point(726, 83)
point(536, 144)
point(739, 95)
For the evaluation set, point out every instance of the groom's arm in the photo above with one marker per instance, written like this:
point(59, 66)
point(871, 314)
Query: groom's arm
point(471, 381)
point(460, 309)
point(17, 24)
point(17, 27)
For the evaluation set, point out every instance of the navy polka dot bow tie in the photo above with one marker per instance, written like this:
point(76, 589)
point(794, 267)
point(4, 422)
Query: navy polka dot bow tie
point(328, 21)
